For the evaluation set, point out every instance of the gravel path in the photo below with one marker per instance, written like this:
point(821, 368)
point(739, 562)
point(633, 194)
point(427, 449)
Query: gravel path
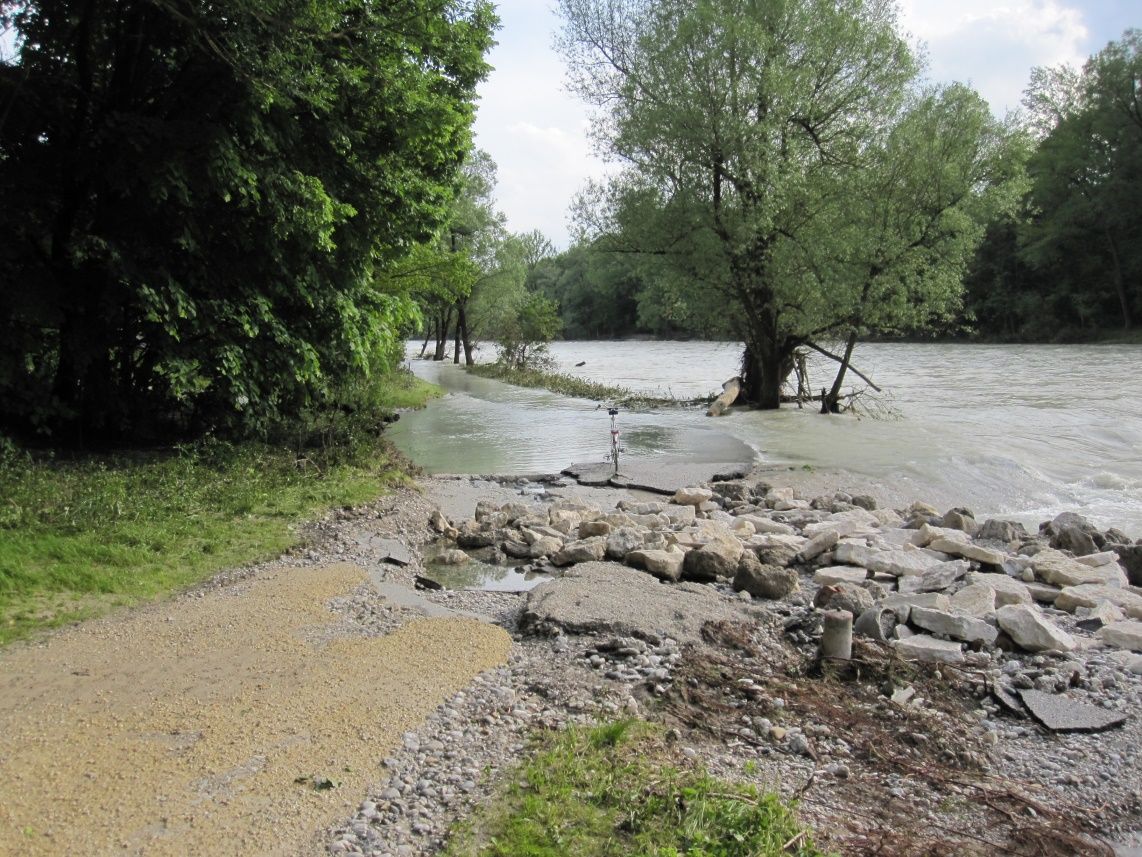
point(235, 719)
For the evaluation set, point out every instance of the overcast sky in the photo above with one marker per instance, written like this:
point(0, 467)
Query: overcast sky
point(536, 132)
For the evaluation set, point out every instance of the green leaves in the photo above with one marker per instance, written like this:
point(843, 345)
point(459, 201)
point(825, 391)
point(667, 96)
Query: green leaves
point(211, 206)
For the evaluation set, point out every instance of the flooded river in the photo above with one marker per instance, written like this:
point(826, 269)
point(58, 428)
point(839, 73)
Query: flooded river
point(1023, 431)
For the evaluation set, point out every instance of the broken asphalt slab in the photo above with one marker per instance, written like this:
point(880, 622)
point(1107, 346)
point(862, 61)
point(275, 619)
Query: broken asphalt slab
point(1062, 714)
point(608, 598)
point(662, 476)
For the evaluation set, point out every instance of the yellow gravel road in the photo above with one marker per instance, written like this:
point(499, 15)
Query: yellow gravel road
point(182, 728)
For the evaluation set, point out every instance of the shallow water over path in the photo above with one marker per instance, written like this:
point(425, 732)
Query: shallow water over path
point(1024, 431)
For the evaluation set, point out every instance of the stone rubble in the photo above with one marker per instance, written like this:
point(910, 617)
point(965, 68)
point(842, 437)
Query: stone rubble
point(1051, 613)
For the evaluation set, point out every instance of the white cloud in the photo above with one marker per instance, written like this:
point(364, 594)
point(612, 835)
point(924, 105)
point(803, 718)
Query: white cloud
point(536, 131)
point(993, 46)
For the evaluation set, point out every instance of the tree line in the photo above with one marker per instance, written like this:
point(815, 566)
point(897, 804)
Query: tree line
point(219, 215)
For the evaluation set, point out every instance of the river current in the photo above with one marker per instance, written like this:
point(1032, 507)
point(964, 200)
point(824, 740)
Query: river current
point(1019, 431)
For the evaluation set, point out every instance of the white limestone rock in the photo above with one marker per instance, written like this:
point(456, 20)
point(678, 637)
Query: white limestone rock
point(1056, 567)
point(853, 553)
point(903, 563)
point(954, 625)
point(762, 524)
point(1007, 590)
point(922, 647)
point(692, 495)
point(839, 574)
point(975, 599)
point(663, 564)
point(936, 578)
point(928, 534)
point(1032, 631)
point(592, 549)
point(1094, 560)
point(1088, 595)
point(967, 550)
point(818, 545)
point(1125, 635)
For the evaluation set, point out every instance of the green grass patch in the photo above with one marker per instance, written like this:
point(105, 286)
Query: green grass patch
point(570, 385)
point(612, 791)
point(82, 534)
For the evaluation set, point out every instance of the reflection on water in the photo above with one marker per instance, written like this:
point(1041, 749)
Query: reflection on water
point(480, 575)
point(1026, 431)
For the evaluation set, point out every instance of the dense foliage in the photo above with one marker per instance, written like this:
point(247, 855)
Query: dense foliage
point(1071, 262)
point(784, 178)
point(203, 203)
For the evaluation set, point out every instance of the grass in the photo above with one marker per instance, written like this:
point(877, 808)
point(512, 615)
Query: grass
point(84, 534)
point(611, 791)
point(570, 385)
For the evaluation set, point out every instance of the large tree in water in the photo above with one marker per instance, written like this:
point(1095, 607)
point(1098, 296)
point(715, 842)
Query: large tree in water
point(742, 127)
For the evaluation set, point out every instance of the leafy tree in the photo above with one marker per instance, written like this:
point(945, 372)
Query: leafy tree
point(202, 202)
point(523, 340)
point(1085, 227)
point(907, 224)
point(726, 113)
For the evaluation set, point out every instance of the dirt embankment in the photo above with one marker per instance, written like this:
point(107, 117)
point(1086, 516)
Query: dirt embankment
point(235, 720)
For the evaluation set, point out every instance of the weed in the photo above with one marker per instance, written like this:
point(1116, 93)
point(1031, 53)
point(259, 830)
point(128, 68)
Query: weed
point(613, 790)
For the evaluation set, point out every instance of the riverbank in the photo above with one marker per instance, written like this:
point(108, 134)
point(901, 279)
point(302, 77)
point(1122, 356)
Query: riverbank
point(886, 756)
point(81, 534)
point(883, 754)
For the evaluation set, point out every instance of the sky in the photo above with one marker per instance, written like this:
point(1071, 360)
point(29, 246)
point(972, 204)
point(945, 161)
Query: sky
point(537, 133)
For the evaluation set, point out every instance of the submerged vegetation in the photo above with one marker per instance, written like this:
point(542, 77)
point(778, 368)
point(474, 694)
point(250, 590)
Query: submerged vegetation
point(614, 790)
point(570, 385)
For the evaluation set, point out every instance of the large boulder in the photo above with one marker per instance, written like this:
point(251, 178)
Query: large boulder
point(663, 564)
point(764, 581)
point(817, 546)
point(936, 578)
point(1125, 635)
point(967, 550)
point(1001, 531)
point(1072, 532)
point(975, 599)
point(585, 550)
point(1130, 558)
point(1056, 567)
point(1030, 630)
point(622, 541)
point(713, 560)
point(922, 647)
point(1007, 590)
point(954, 625)
point(1088, 595)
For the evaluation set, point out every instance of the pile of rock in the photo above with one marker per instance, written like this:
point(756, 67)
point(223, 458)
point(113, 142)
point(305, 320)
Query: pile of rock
point(937, 587)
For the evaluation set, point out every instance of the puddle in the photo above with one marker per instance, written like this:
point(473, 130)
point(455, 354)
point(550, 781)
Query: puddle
point(475, 574)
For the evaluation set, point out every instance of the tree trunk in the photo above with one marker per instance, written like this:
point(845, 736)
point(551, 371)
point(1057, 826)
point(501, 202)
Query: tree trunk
point(765, 367)
point(443, 322)
point(462, 326)
point(456, 341)
point(830, 405)
point(427, 336)
point(1119, 285)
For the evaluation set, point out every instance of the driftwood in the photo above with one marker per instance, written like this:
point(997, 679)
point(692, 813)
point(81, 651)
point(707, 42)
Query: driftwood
point(844, 362)
point(730, 391)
